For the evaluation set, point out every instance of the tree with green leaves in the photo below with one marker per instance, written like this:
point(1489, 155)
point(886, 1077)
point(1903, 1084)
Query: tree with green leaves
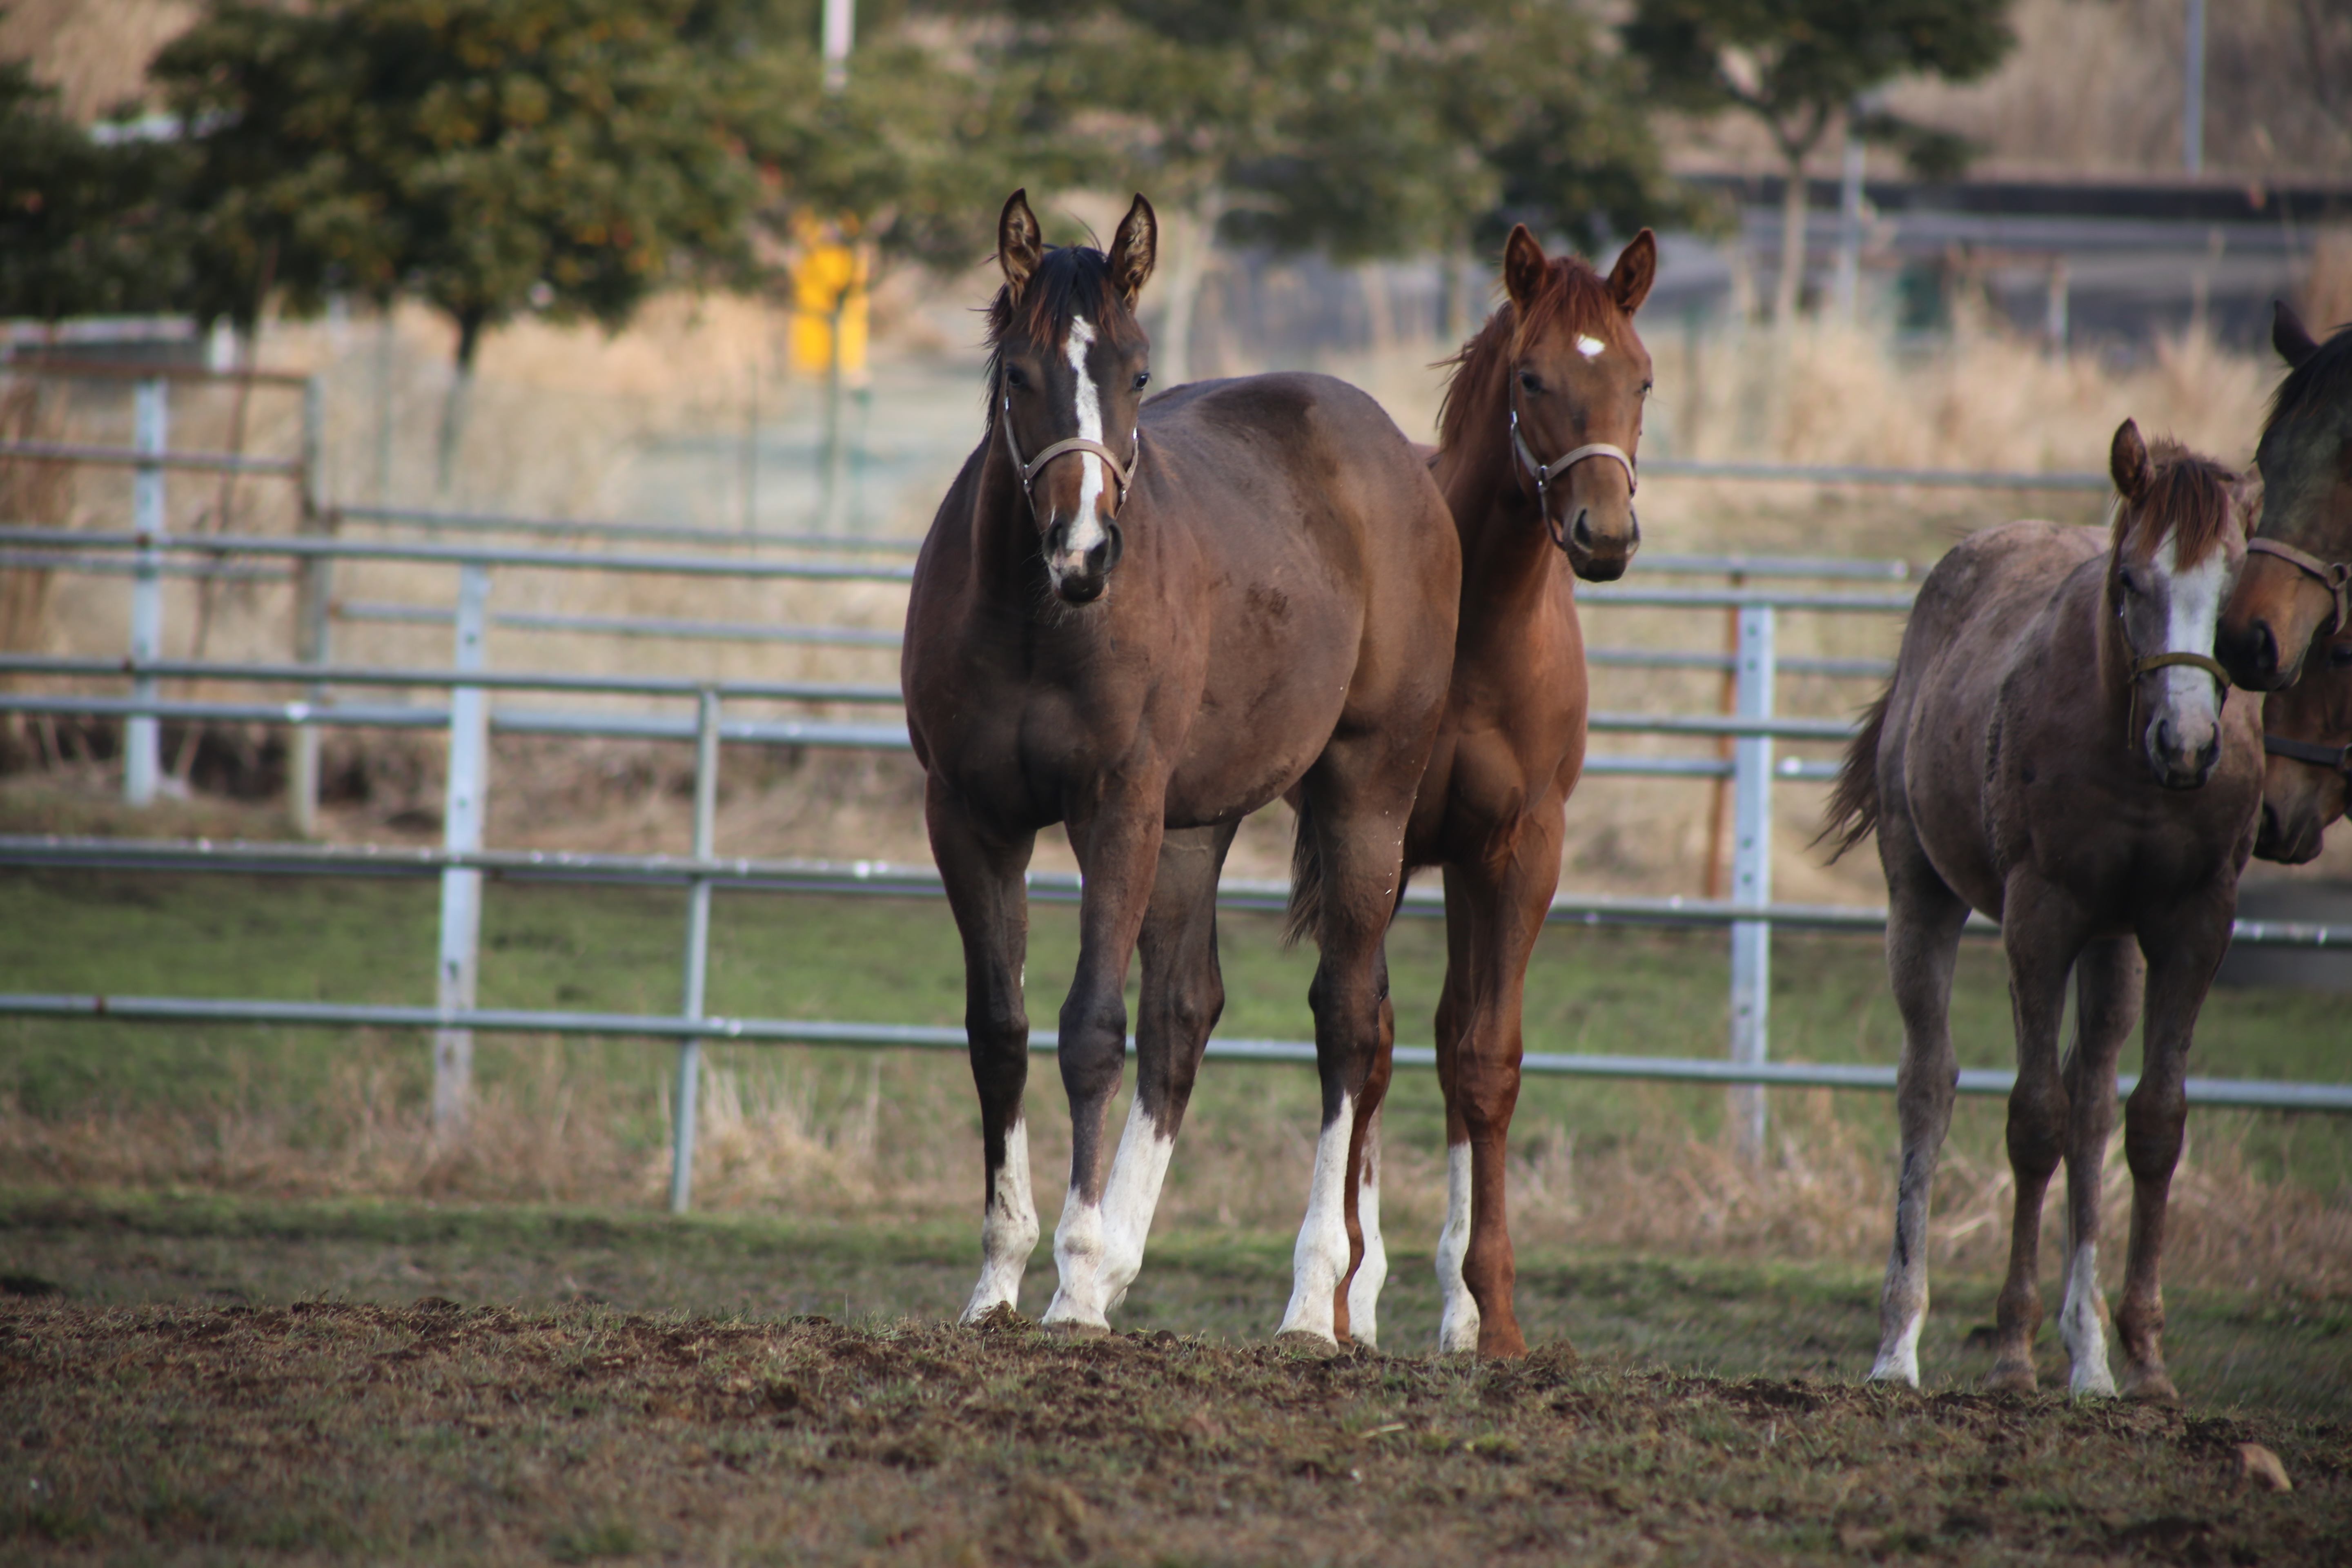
point(86, 227)
point(486, 156)
point(1363, 128)
point(1802, 68)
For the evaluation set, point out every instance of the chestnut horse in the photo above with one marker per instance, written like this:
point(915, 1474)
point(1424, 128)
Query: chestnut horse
point(2059, 751)
point(2307, 731)
point(1535, 451)
point(2298, 585)
point(1143, 622)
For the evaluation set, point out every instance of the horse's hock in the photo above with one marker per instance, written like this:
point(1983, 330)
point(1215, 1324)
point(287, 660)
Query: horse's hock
point(2292, 969)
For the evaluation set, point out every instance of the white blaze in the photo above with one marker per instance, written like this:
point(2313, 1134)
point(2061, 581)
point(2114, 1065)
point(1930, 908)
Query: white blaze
point(2194, 599)
point(1590, 347)
point(1457, 1327)
point(1008, 1232)
point(1321, 1257)
point(1085, 529)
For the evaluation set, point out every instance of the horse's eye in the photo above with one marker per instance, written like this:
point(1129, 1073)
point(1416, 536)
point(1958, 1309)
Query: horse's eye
point(1531, 381)
point(1013, 376)
point(1142, 379)
point(1645, 388)
point(2339, 653)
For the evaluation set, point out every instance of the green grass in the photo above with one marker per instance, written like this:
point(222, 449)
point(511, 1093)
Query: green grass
point(1618, 990)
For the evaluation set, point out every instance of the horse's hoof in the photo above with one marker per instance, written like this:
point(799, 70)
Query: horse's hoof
point(1001, 1318)
point(1300, 1342)
point(2151, 1386)
point(2010, 1378)
point(1073, 1329)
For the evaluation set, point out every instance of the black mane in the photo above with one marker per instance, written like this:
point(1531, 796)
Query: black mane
point(2324, 379)
point(1069, 278)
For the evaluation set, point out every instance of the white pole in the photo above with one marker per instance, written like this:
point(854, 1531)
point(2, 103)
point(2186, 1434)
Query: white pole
point(840, 31)
point(461, 887)
point(697, 950)
point(152, 433)
point(1751, 879)
point(2192, 95)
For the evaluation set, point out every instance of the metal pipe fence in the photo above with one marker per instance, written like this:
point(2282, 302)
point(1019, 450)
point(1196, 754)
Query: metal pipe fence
point(468, 716)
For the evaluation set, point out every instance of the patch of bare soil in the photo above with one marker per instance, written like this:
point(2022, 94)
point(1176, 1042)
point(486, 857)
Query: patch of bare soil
point(434, 1432)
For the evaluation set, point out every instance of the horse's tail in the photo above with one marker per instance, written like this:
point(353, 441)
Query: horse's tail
point(1852, 810)
point(1305, 918)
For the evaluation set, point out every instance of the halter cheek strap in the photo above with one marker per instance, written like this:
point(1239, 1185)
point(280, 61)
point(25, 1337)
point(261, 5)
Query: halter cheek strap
point(1124, 473)
point(1545, 472)
point(2336, 576)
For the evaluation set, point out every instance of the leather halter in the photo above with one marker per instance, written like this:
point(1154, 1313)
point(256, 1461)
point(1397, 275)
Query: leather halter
point(1029, 471)
point(2336, 576)
point(2338, 758)
point(1544, 472)
point(2152, 662)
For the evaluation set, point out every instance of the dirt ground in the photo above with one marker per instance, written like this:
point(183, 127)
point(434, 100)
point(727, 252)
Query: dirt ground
point(445, 1434)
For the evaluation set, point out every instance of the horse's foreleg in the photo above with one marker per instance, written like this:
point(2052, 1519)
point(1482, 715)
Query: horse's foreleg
point(1118, 848)
point(2107, 979)
point(1360, 843)
point(1457, 1322)
point(2043, 936)
point(1183, 994)
point(1355, 1306)
point(1923, 936)
point(983, 878)
point(2180, 970)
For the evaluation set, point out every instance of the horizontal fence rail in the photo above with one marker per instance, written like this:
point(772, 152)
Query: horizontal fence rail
point(1845, 474)
point(134, 457)
point(2247, 1093)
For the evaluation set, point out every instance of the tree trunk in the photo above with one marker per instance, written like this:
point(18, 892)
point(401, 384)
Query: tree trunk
point(453, 406)
point(1791, 288)
point(1195, 233)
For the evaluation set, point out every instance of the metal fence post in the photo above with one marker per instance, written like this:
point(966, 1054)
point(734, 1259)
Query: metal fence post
point(1752, 878)
point(151, 420)
point(461, 888)
point(313, 587)
point(698, 948)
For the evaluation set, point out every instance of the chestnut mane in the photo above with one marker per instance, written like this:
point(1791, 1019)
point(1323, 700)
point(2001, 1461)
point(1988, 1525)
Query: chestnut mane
point(1574, 297)
point(2188, 499)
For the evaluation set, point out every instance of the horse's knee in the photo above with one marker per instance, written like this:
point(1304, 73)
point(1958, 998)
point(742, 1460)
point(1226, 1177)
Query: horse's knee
point(2152, 1134)
point(2037, 1129)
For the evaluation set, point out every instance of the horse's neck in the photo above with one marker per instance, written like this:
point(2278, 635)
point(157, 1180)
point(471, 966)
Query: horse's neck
point(2111, 656)
point(1004, 535)
point(1506, 554)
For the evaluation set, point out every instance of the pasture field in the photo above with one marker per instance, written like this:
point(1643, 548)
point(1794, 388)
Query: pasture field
point(238, 1380)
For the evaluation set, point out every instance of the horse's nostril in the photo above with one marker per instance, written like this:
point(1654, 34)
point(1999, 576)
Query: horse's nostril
point(1580, 530)
point(2265, 651)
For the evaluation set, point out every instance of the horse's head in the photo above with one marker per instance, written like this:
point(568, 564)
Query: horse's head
point(2293, 587)
point(1068, 365)
point(2307, 728)
point(1578, 376)
point(2180, 528)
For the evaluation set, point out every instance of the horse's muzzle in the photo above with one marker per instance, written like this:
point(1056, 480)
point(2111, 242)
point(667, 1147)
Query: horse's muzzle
point(2250, 654)
point(1594, 556)
point(1079, 578)
point(2288, 837)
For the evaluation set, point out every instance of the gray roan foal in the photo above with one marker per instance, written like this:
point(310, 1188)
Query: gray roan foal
point(2059, 750)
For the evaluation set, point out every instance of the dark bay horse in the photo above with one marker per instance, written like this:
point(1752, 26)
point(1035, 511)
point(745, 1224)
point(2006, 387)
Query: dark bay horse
point(2297, 585)
point(2059, 750)
point(1143, 621)
point(2307, 731)
point(1537, 439)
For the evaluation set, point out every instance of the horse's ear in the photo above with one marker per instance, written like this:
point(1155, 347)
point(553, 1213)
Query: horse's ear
point(1636, 269)
point(1133, 248)
point(2289, 336)
point(2127, 463)
point(1523, 268)
point(1019, 245)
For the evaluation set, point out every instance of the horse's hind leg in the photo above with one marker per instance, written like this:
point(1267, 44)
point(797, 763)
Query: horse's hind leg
point(2042, 934)
point(1360, 846)
point(2107, 980)
point(1183, 993)
point(2180, 970)
point(1923, 918)
point(984, 887)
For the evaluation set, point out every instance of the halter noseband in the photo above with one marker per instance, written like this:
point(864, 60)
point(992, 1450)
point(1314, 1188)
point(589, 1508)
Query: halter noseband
point(2336, 577)
point(2338, 758)
point(1543, 473)
point(1123, 472)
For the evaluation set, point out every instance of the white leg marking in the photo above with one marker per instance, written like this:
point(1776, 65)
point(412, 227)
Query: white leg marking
point(1906, 1281)
point(1008, 1231)
point(1364, 1289)
point(1078, 1262)
point(1321, 1257)
point(1898, 1357)
point(1130, 1199)
point(2079, 1327)
point(1085, 529)
point(1457, 1325)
